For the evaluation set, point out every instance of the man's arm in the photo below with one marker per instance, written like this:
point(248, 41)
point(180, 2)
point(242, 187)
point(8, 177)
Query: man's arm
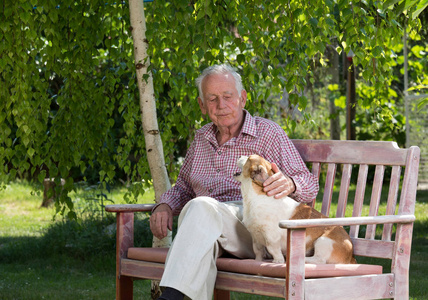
point(173, 200)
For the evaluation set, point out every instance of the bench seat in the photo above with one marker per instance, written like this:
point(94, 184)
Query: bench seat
point(268, 269)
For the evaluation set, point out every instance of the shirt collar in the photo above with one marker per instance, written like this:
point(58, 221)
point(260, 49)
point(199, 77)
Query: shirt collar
point(248, 128)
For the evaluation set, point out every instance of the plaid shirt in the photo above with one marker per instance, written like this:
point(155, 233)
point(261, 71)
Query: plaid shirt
point(208, 168)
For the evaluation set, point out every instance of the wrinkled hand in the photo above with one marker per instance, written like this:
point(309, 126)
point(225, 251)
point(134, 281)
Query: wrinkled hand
point(161, 221)
point(278, 185)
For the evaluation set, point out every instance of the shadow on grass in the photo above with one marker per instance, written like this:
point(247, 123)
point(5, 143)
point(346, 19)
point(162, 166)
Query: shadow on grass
point(83, 239)
point(70, 260)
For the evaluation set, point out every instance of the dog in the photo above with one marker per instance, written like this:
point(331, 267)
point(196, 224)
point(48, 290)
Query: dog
point(262, 213)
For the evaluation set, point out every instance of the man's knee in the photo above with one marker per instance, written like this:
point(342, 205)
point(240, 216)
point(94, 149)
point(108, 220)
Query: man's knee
point(201, 206)
point(202, 203)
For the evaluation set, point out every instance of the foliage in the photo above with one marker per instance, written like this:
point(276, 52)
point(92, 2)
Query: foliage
point(68, 103)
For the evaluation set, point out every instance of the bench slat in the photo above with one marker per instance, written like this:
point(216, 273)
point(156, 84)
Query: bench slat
point(375, 199)
point(350, 287)
point(344, 190)
point(392, 200)
point(353, 152)
point(328, 189)
point(373, 248)
point(359, 197)
point(316, 170)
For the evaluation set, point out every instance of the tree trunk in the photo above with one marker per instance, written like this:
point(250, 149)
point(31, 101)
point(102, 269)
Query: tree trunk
point(154, 148)
point(351, 101)
point(334, 117)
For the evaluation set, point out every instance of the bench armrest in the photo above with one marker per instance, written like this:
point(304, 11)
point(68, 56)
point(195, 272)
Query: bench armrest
point(123, 208)
point(306, 223)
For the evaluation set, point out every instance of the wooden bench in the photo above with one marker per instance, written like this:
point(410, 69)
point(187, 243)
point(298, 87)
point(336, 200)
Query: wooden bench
point(379, 233)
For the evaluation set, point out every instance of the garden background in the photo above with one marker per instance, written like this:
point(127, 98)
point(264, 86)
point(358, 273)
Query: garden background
point(70, 109)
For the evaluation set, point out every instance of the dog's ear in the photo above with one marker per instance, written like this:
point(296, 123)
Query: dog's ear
point(259, 175)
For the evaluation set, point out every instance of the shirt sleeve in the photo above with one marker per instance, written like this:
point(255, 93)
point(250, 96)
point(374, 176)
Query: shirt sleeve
point(285, 155)
point(182, 191)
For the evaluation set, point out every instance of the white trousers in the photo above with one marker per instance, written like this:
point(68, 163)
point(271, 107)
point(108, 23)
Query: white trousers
point(206, 228)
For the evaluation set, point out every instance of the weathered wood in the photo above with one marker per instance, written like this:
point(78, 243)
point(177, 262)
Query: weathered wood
point(392, 200)
point(221, 294)
point(328, 189)
point(129, 208)
point(375, 200)
point(251, 284)
point(352, 288)
point(359, 198)
point(124, 240)
point(316, 170)
point(297, 283)
point(373, 248)
point(347, 221)
point(142, 269)
point(351, 152)
point(295, 259)
point(344, 189)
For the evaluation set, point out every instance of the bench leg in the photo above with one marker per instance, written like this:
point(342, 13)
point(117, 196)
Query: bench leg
point(124, 240)
point(221, 295)
point(124, 288)
point(295, 268)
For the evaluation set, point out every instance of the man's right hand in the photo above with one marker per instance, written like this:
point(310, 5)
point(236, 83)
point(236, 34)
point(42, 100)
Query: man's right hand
point(161, 221)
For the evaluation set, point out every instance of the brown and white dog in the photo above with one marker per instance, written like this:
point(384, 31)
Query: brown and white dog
point(262, 214)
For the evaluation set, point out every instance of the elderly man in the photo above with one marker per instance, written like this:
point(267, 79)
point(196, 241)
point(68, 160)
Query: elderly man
point(207, 197)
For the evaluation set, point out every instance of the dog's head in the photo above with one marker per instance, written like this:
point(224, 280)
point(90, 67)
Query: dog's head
point(254, 167)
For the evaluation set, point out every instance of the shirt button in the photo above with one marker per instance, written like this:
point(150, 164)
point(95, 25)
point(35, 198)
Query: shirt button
point(218, 170)
point(210, 190)
point(219, 153)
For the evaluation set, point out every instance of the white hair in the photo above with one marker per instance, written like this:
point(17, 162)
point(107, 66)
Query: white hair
point(219, 69)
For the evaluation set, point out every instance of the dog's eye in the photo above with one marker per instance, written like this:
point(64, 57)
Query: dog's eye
point(237, 174)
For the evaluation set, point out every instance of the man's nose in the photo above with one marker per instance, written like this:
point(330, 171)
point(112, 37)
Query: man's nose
point(221, 102)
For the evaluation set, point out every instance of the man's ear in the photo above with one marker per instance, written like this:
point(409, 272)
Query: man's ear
point(243, 98)
point(202, 106)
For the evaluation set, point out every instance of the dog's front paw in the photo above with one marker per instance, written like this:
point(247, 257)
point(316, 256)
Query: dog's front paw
point(279, 260)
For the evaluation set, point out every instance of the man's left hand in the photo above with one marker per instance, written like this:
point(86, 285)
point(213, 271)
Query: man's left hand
point(278, 185)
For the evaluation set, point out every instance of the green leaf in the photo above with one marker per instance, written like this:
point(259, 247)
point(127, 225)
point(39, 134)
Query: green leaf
point(30, 152)
point(422, 103)
point(377, 51)
point(420, 7)
point(41, 176)
point(389, 3)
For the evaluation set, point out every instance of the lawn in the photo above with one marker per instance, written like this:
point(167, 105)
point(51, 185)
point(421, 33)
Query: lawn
point(43, 258)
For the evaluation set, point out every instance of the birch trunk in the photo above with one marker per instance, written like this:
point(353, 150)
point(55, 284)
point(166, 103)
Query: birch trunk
point(154, 148)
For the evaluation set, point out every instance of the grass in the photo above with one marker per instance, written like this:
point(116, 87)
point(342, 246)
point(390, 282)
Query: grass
point(42, 258)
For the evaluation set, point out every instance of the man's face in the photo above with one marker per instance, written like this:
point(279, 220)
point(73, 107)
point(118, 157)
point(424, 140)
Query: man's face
point(222, 102)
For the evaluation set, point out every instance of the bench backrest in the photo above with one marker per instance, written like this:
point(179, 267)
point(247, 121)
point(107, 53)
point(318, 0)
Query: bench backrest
point(330, 158)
